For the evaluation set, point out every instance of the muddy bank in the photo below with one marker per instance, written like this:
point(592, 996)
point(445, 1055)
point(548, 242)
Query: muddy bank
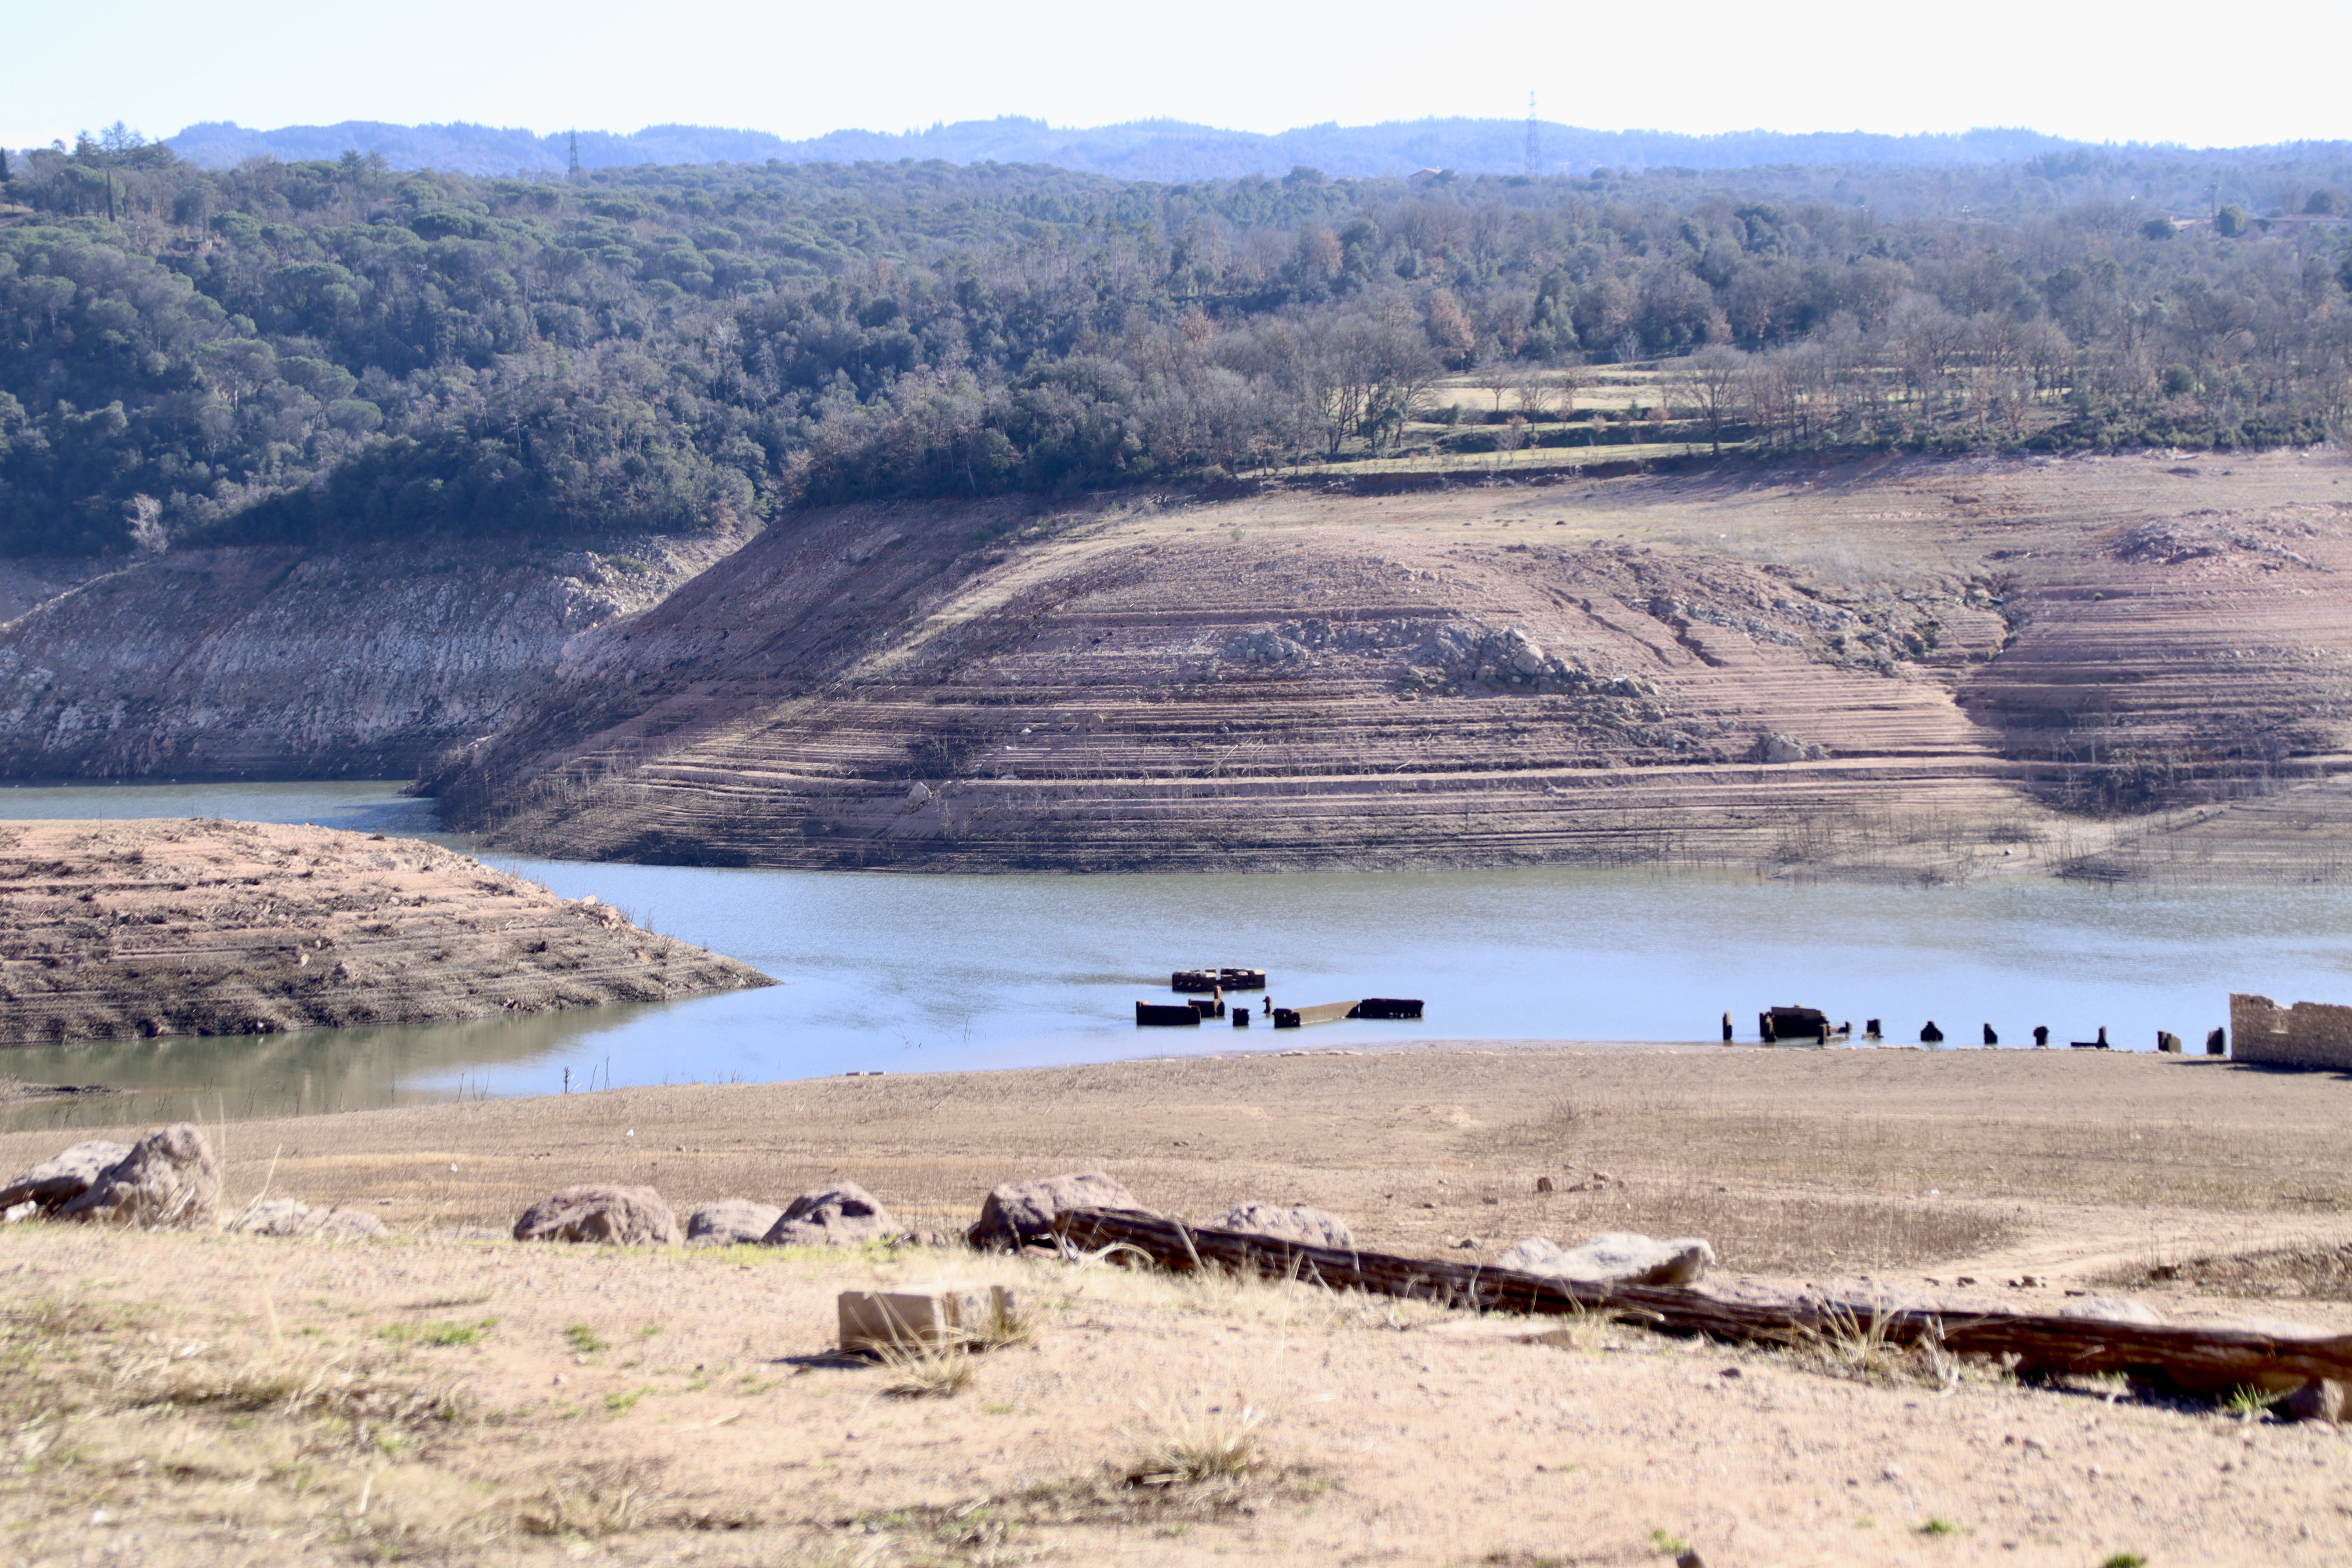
point(124, 929)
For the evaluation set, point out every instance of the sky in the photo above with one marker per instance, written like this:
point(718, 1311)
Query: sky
point(2158, 71)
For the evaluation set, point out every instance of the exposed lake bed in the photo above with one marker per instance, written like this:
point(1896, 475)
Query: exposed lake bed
point(898, 974)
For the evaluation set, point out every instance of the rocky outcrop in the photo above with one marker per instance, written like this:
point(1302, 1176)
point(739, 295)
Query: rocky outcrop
point(620, 1217)
point(129, 929)
point(841, 1215)
point(54, 1183)
point(359, 663)
point(1613, 1258)
point(1021, 1211)
point(168, 1180)
point(1307, 1227)
point(731, 1222)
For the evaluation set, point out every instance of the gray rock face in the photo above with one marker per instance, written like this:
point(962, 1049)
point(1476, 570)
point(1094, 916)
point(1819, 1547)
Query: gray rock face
point(1776, 747)
point(842, 1214)
point(2321, 1399)
point(292, 1216)
point(1019, 1212)
point(1308, 1227)
point(53, 1184)
point(731, 1221)
point(1614, 1257)
point(623, 1216)
point(217, 663)
point(169, 1178)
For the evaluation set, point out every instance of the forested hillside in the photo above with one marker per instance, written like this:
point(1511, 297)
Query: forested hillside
point(339, 349)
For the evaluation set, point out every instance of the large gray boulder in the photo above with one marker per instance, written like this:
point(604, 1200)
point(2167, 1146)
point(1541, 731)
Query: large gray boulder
point(53, 1184)
point(622, 1217)
point(168, 1178)
point(1613, 1258)
point(731, 1221)
point(1021, 1212)
point(292, 1216)
point(1307, 1227)
point(842, 1214)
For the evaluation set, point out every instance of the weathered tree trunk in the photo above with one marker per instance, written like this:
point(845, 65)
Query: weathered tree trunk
point(2197, 1358)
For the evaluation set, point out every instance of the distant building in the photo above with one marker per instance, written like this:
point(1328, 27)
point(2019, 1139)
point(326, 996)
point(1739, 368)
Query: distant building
point(2307, 1035)
point(1421, 177)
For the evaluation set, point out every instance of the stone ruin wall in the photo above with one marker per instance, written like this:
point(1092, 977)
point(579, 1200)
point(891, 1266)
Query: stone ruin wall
point(2307, 1035)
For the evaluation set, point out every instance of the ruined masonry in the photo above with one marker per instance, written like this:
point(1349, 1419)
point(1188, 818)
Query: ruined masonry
point(2307, 1035)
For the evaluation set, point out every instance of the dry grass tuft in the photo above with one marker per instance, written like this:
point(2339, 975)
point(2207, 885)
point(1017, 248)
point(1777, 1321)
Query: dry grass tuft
point(1011, 1321)
point(926, 1371)
point(1844, 1344)
point(601, 1499)
point(1188, 1448)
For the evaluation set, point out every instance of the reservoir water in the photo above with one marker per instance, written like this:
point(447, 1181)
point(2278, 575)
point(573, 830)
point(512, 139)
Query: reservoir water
point(911, 973)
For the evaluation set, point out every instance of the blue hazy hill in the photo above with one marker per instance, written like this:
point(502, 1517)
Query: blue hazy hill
point(1164, 150)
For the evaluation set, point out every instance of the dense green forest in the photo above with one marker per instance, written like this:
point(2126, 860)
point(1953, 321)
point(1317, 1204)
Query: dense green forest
point(340, 350)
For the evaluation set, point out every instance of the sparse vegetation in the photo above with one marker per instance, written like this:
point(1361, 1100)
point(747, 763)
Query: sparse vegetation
point(1190, 1446)
point(927, 1370)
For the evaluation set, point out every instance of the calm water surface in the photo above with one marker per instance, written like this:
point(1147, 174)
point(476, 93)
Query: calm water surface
point(908, 974)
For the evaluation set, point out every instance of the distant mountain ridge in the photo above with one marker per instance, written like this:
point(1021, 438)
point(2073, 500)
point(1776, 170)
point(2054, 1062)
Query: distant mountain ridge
point(1162, 149)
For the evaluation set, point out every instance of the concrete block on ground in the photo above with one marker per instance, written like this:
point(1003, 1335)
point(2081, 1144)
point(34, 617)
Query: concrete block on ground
point(914, 1316)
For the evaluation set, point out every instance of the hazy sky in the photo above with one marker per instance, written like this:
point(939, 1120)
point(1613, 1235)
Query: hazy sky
point(2108, 71)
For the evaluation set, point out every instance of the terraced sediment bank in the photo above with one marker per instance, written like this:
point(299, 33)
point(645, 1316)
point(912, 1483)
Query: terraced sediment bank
point(1886, 668)
point(118, 929)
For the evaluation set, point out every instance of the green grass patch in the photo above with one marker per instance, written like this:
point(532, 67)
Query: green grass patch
point(437, 1333)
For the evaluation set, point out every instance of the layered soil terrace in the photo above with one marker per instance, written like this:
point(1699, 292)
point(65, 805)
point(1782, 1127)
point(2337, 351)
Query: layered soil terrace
point(118, 929)
point(1884, 668)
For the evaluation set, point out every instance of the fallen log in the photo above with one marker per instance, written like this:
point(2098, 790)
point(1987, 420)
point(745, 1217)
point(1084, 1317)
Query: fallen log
point(2204, 1359)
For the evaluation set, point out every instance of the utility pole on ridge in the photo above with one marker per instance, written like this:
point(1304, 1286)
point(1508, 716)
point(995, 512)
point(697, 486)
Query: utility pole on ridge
point(1534, 146)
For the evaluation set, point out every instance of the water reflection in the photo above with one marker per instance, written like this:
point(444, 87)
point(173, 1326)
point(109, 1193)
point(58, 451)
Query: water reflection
point(908, 974)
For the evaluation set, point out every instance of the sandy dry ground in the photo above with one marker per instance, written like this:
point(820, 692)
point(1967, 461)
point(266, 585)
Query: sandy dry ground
point(1971, 664)
point(118, 929)
point(469, 1400)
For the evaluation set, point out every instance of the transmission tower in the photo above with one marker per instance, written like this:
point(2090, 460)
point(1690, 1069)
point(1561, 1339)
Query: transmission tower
point(1535, 144)
point(572, 174)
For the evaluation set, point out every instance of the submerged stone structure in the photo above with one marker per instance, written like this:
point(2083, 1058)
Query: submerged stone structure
point(2307, 1035)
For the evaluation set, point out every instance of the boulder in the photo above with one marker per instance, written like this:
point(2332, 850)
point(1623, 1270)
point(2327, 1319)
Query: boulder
point(2321, 1399)
point(291, 1216)
point(624, 1216)
point(167, 1178)
point(1776, 747)
point(842, 1214)
point(731, 1221)
point(1021, 1212)
point(1308, 1227)
point(53, 1184)
point(1613, 1258)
